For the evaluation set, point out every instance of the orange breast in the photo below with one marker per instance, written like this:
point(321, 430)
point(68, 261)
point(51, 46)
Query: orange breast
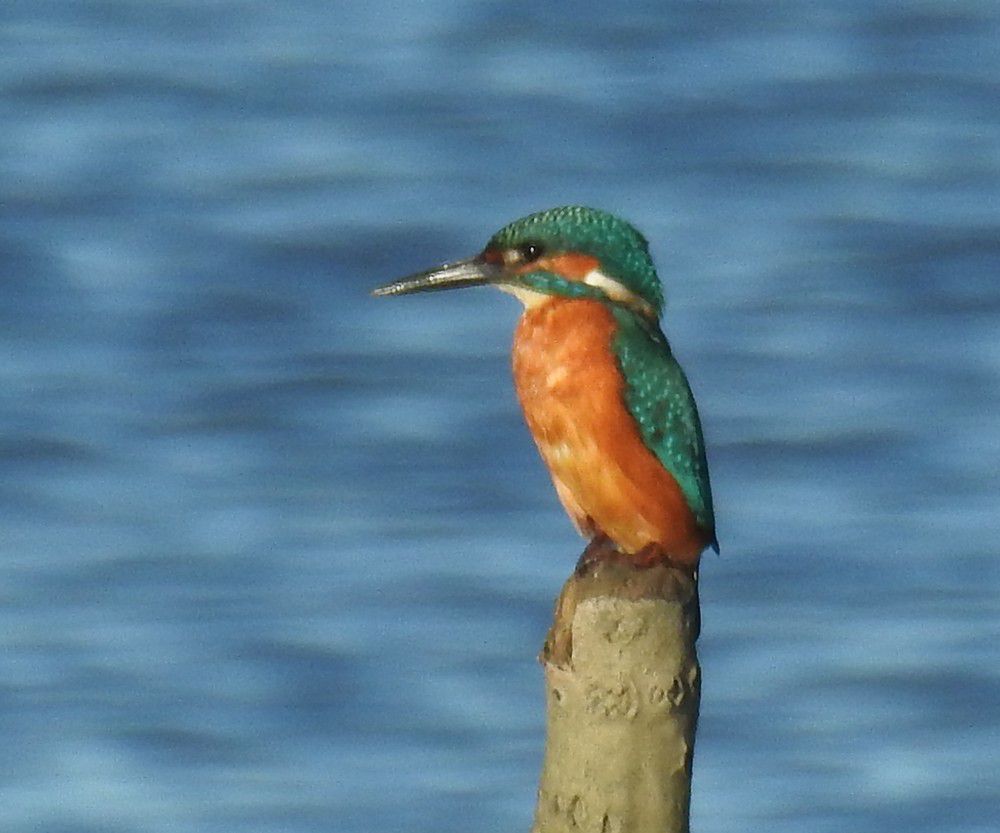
point(572, 394)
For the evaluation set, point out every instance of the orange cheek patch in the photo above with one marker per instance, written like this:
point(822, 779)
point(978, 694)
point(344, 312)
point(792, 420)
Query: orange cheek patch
point(570, 265)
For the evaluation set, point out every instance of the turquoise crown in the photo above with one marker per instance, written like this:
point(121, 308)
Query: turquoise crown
point(618, 246)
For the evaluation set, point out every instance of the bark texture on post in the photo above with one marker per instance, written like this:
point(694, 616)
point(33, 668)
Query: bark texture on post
point(622, 691)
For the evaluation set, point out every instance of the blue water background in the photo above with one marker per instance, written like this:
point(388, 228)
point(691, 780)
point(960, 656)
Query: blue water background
point(278, 557)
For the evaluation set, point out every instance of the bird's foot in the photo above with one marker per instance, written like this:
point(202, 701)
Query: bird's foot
point(600, 548)
point(651, 555)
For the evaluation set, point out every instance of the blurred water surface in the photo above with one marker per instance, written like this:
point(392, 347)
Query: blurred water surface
point(278, 557)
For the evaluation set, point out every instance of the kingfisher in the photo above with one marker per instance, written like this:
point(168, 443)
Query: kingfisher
point(606, 401)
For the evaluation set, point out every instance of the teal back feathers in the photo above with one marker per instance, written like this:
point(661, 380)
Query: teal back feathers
point(659, 398)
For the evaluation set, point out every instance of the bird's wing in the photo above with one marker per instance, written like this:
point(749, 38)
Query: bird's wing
point(658, 396)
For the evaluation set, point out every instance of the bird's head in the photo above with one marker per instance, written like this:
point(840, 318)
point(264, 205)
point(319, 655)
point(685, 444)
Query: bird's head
point(572, 252)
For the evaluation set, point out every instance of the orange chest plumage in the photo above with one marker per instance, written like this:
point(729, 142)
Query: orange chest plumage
point(572, 394)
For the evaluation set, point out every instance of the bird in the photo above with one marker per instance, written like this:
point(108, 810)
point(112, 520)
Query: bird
point(606, 401)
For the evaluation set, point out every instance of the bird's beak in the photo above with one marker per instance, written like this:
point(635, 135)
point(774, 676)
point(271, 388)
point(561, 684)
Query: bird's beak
point(472, 272)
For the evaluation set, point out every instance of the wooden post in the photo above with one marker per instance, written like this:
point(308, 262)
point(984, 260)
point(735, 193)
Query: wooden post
point(622, 691)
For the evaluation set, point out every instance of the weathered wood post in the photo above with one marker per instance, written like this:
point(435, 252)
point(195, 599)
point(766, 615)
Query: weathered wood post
point(622, 690)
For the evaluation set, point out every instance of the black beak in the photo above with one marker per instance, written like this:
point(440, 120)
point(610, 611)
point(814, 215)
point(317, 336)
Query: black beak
point(472, 272)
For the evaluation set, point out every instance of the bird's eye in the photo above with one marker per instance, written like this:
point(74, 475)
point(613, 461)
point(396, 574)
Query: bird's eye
point(530, 252)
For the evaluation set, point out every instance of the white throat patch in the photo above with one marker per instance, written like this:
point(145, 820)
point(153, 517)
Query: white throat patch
point(529, 297)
